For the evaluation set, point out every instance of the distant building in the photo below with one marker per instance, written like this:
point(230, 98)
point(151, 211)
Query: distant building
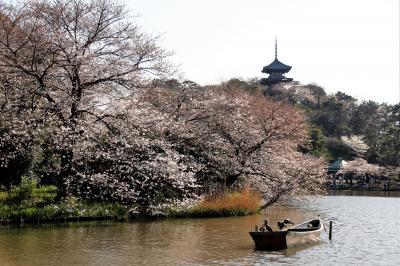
point(276, 71)
point(336, 166)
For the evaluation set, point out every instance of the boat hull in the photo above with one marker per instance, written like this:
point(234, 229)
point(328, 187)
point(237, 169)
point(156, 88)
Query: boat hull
point(295, 236)
point(269, 240)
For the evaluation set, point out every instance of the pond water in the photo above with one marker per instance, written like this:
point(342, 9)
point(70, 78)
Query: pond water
point(366, 232)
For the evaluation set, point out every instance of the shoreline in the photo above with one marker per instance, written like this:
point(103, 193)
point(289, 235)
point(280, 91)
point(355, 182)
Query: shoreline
point(59, 220)
point(124, 215)
point(362, 189)
point(73, 219)
point(119, 213)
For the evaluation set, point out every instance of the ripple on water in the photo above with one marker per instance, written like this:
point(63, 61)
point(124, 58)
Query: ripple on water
point(366, 232)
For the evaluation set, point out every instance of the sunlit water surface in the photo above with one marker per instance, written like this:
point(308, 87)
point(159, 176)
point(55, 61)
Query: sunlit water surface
point(366, 232)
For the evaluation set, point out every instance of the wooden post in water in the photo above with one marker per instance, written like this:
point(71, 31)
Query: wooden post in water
point(330, 230)
point(256, 228)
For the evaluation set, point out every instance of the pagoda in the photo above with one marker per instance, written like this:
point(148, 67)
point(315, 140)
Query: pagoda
point(276, 71)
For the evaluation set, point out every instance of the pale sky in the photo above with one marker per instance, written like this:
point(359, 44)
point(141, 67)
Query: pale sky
point(346, 45)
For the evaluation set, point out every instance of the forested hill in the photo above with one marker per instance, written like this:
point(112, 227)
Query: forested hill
point(344, 127)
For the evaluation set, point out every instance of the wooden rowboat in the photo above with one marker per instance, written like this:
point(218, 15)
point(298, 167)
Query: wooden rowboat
point(306, 232)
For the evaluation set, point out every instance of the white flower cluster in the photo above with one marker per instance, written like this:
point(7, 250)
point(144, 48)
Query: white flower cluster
point(79, 109)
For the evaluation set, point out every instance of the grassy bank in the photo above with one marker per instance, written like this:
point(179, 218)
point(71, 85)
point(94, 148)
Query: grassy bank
point(62, 212)
point(30, 203)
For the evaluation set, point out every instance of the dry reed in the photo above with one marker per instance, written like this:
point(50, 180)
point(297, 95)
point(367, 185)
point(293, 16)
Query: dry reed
point(241, 202)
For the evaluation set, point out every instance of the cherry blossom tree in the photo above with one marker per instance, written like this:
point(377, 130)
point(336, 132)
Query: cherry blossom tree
point(356, 143)
point(133, 163)
point(360, 167)
point(239, 139)
point(75, 81)
point(68, 59)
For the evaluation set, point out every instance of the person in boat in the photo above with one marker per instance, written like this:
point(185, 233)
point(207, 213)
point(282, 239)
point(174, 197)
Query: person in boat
point(265, 226)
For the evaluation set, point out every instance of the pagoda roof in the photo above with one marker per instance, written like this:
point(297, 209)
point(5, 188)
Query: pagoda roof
point(276, 66)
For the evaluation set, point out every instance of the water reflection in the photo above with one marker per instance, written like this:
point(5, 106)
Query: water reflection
point(362, 235)
point(172, 241)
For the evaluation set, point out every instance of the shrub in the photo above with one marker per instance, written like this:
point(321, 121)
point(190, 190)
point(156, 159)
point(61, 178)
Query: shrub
point(3, 196)
point(22, 192)
point(44, 195)
point(28, 194)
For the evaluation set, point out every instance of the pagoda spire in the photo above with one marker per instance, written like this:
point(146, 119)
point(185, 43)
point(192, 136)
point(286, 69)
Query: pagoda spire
point(276, 70)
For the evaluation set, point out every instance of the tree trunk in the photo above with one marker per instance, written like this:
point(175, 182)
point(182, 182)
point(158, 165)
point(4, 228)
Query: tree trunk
point(270, 202)
point(66, 171)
